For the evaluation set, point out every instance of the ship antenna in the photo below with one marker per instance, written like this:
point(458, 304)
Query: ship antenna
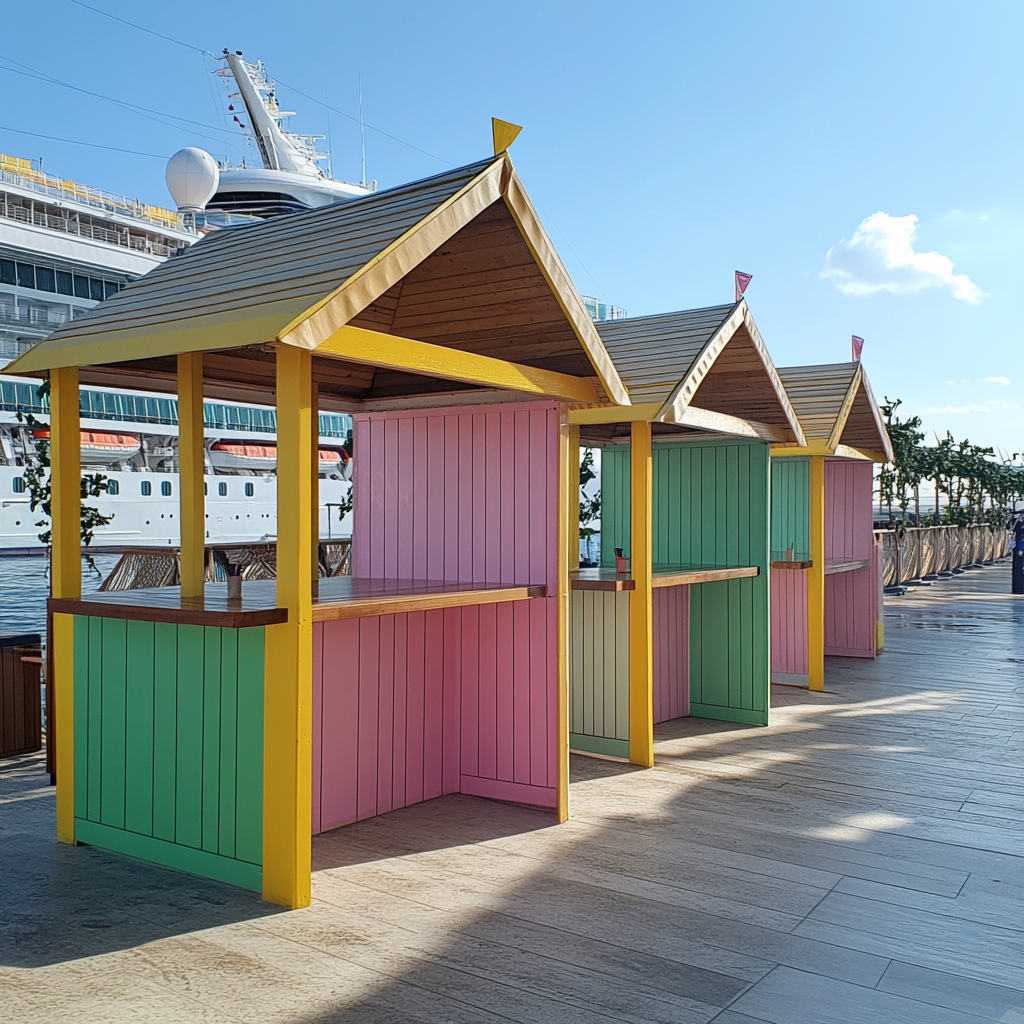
point(362, 132)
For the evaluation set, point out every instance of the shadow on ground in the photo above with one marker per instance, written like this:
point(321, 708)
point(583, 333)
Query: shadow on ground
point(61, 903)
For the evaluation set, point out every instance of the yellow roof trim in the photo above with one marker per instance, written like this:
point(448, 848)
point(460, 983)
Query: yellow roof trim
point(675, 405)
point(392, 263)
point(557, 277)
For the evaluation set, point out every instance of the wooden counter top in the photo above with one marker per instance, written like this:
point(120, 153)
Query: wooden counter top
point(791, 564)
point(664, 576)
point(340, 597)
point(834, 567)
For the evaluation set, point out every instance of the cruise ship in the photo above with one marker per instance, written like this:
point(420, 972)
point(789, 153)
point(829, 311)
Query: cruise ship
point(65, 247)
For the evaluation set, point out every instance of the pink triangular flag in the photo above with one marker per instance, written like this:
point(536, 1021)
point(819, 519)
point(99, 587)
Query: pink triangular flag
point(858, 346)
point(742, 280)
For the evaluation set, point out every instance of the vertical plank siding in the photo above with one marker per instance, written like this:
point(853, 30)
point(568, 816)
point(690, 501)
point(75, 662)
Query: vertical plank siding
point(850, 597)
point(789, 626)
point(790, 497)
point(169, 744)
point(409, 707)
point(599, 672)
point(671, 653)
point(710, 508)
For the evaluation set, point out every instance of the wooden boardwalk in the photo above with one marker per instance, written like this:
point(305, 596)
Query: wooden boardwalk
point(860, 860)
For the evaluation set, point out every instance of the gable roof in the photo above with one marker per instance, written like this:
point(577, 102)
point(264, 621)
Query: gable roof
point(711, 359)
point(471, 236)
point(837, 409)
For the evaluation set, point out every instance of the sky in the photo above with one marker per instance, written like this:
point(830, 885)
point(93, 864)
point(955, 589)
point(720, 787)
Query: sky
point(862, 160)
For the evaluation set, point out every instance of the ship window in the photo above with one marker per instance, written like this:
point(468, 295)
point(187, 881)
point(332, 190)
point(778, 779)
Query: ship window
point(96, 290)
point(249, 490)
point(167, 411)
point(152, 409)
point(222, 490)
point(113, 487)
point(110, 288)
point(147, 488)
point(64, 283)
point(26, 275)
point(7, 273)
point(165, 488)
point(18, 483)
point(81, 287)
point(46, 279)
point(206, 490)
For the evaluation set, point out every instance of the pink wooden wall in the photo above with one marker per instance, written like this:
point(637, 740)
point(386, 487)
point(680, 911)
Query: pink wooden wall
point(849, 532)
point(407, 707)
point(850, 600)
point(789, 621)
point(671, 653)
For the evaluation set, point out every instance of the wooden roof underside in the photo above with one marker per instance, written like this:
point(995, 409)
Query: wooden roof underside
point(738, 383)
point(481, 292)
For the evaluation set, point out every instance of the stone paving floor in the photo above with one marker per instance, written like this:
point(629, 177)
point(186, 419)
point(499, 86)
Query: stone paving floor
point(860, 860)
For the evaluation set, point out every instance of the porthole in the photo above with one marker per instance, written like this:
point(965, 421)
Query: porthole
point(222, 489)
point(165, 488)
point(18, 483)
point(147, 488)
point(249, 490)
point(113, 487)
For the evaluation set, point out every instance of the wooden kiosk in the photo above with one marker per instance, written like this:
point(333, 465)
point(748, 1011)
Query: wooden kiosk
point(684, 490)
point(824, 565)
point(216, 736)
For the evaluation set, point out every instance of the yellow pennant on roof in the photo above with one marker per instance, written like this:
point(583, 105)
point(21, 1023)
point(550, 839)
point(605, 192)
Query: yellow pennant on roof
point(505, 133)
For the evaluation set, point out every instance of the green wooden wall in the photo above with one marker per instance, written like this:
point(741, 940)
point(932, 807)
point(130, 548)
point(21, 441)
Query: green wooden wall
point(599, 672)
point(169, 745)
point(791, 508)
point(711, 508)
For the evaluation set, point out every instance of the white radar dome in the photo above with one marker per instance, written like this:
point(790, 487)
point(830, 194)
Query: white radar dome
point(192, 177)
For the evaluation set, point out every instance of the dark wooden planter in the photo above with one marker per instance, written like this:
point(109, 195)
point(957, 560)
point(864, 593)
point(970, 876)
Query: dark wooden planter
point(20, 700)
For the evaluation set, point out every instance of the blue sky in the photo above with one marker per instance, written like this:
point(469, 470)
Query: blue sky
point(665, 144)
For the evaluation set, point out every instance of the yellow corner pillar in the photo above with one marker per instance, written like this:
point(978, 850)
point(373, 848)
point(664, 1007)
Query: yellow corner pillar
point(314, 479)
point(191, 473)
point(568, 493)
point(816, 579)
point(288, 671)
point(574, 498)
point(65, 578)
point(641, 645)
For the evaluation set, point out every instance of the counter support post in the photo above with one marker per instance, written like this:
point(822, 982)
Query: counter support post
point(641, 645)
point(567, 493)
point(65, 577)
point(288, 673)
point(816, 579)
point(314, 477)
point(574, 498)
point(191, 471)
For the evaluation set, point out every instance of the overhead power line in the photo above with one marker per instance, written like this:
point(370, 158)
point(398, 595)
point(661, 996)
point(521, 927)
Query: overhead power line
point(306, 95)
point(78, 142)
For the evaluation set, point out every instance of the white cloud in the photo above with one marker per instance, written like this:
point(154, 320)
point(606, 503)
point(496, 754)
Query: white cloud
point(880, 257)
point(956, 410)
point(1005, 381)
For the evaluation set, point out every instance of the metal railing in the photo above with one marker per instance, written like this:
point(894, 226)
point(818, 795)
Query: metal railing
point(123, 238)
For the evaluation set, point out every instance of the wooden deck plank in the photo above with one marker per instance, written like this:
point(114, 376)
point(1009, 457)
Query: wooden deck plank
point(858, 859)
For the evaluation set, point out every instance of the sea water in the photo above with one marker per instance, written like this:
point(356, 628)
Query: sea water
point(25, 586)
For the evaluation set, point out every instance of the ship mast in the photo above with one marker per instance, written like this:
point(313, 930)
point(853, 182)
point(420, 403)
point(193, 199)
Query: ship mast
point(280, 150)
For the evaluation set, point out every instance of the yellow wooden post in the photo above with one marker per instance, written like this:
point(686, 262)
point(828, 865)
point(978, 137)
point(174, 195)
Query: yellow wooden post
point(574, 498)
point(65, 578)
point(568, 490)
point(191, 471)
point(641, 646)
point(288, 673)
point(816, 579)
point(314, 477)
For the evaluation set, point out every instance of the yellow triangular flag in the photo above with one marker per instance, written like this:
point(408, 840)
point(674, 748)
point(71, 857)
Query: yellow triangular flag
point(505, 133)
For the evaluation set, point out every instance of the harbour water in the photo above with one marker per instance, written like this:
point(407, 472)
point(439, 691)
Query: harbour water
point(25, 585)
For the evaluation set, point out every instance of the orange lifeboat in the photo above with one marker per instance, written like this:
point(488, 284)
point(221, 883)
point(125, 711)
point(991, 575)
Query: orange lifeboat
point(259, 458)
point(102, 449)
